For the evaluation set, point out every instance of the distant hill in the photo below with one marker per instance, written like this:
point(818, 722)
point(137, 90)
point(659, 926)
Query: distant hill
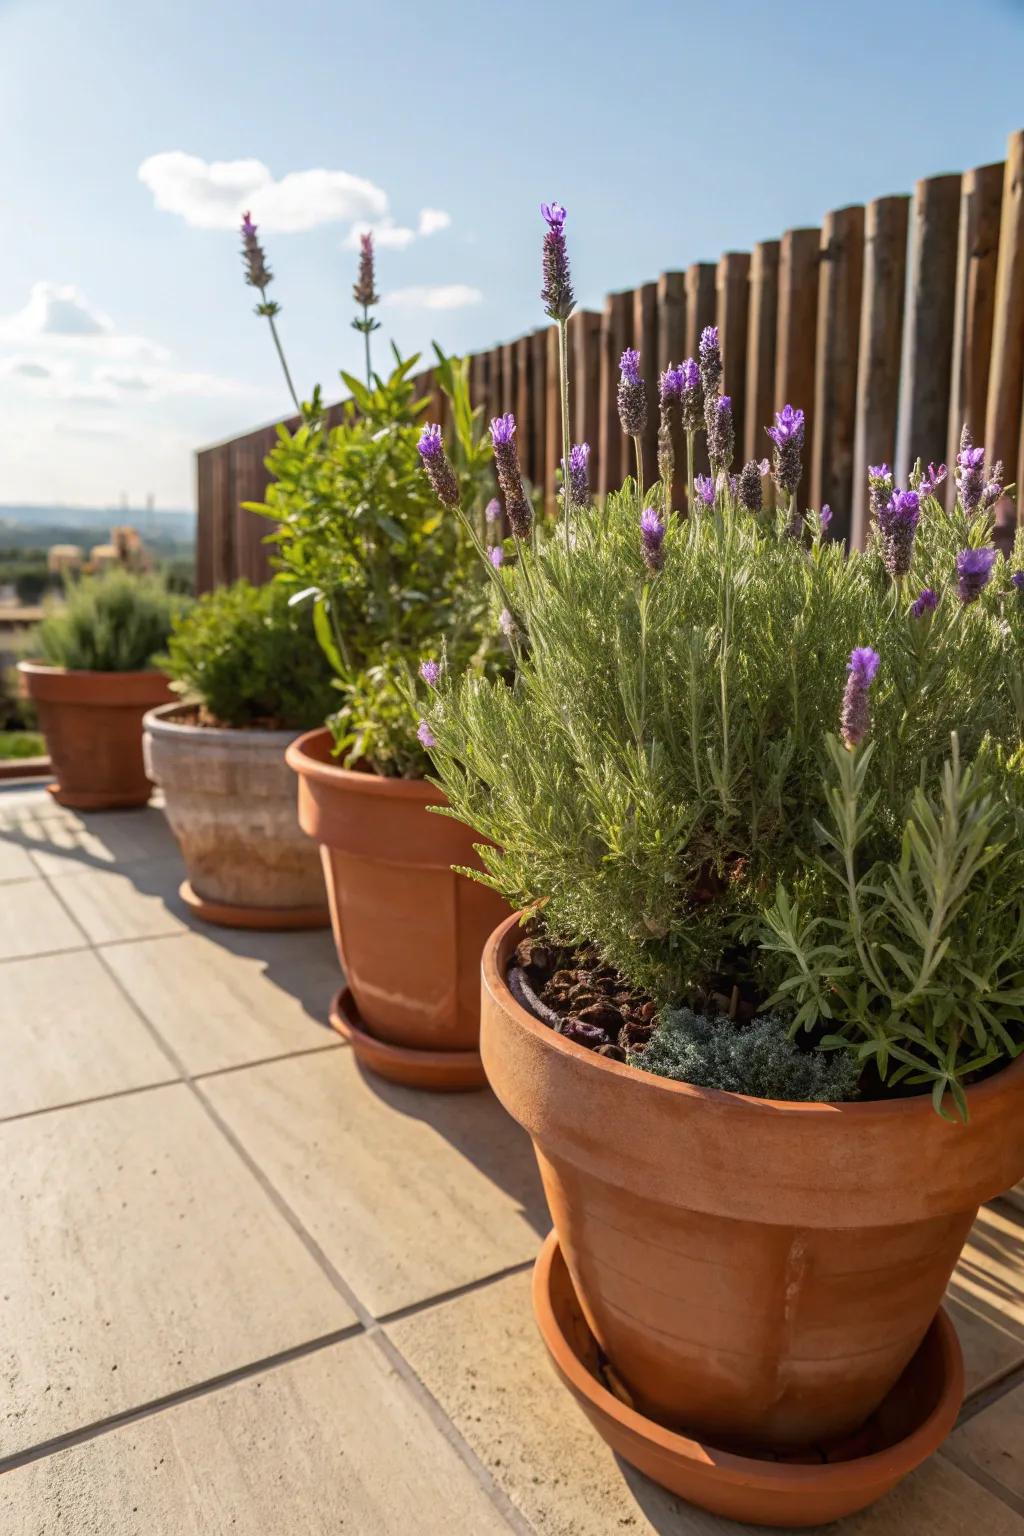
point(162, 527)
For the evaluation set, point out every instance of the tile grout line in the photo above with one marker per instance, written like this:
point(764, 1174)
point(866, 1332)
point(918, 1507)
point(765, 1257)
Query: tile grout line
point(983, 1478)
point(991, 1393)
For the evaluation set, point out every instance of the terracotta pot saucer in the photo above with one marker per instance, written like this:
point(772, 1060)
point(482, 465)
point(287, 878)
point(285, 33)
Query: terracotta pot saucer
point(437, 1071)
point(269, 919)
point(909, 1425)
point(82, 800)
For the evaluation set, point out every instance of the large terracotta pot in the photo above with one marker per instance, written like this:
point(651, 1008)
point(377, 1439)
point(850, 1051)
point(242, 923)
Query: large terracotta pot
point(230, 800)
point(92, 722)
point(757, 1273)
point(409, 931)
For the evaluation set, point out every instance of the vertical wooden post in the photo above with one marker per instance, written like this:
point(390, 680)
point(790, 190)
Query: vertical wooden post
point(205, 520)
point(796, 336)
point(539, 391)
point(671, 319)
point(1006, 375)
point(732, 306)
point(615, 332)
point(835, 380)
point(700, 312)
point(881, 336)
point(585, 378)
point(524, 409)
point(981, 199)
point(645, 339)
point(762, 324)
point(508, 377)
point(928, 336)
point(553, 427)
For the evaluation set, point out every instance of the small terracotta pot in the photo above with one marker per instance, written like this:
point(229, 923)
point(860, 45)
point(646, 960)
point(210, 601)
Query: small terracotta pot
point(92, 722)
point(230, 800)
point(408, 930)
point(757, 1273)
point(833, 1481)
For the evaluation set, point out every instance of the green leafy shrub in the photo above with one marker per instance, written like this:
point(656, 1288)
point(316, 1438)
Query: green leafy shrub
point(759, 1058)
point(116, 622)
point(250, 657)
point(389, 576)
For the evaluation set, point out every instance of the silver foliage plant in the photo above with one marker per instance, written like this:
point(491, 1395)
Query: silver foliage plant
point(745, 763)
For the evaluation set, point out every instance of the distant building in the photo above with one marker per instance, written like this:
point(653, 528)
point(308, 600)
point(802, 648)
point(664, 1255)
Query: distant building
point(63, 557)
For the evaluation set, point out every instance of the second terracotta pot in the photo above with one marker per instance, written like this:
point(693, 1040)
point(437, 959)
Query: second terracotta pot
point(92, 722)
point(757, 1273)
point(409, 931)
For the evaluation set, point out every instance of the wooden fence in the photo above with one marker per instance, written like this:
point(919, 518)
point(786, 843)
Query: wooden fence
point(891, 324)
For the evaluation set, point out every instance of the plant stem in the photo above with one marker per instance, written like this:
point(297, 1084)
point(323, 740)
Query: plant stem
point(563, 372)
point(284, 365)
point(366, 338)
point(639, 450)
point(689, 473)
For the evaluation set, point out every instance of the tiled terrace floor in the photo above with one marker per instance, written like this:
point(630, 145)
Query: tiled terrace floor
point(247, 1290)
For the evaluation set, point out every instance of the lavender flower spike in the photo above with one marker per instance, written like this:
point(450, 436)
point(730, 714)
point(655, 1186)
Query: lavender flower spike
point(652, 539)
point(749, 489)
point(897, 525)
point(430, 671)
point(670, 388)
point(970, 472)
point(579, 475)
point(710, 356)
point(788, 437)
point(856, 717)
point(691, 399)
point(364, 289)
point(974, 572)
point(1017, 580)
point(496, 555)
point(436, 463)
point(881, 484)
point(257, 273)
point(931, 479)
point(721, 432)
point(492, 511)
point(556, 291)
point(926, 602)
point(426, 735)
point(510, 479)
point(705, 488)
point(825, 517)
point(632, 394)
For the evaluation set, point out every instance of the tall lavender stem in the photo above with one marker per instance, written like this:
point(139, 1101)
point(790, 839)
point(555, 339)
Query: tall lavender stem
point(559, 303)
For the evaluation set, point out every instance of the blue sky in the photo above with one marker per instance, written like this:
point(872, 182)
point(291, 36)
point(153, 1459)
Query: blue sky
point(672, 131)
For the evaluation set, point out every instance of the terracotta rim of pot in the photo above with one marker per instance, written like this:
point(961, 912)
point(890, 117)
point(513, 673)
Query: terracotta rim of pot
point(437, 1071)
point(310, 755)
point(61, 685)
point(741, 1487)
point(725, 1144)
point(163, 721)
point(223, 914)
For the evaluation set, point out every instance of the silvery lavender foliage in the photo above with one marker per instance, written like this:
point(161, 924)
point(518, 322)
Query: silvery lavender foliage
point(970, 473)
point(856, 716)
point(670, 388)
point(438, 468)
point(632, 394)
point(897, 525)
point(974, 572)
point(579, 475)
point(787, 459)
point(749, 486)
point(652, 539)
point(705, 488)
point(881, 484)
point(721, 432)
point(926, 601)
point(691, 397)
point(510, 479)
point(257, 273)
point(556, 293)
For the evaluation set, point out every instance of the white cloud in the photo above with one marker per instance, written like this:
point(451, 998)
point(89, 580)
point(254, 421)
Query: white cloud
point(432, 220)
point(57, 317)
point(213, 194)
point(442, 296)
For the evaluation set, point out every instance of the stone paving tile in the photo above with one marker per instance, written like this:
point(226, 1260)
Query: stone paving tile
point(140, 1256)
point(33, 922)
point(15, 864)
point(986, 1296)
point(221, 998)
point(483, 1361)
point(408, 1194)
point(138, 902)
point(66, 845)
point(67, 1033)
point(332, 1443)
point(992, 1442)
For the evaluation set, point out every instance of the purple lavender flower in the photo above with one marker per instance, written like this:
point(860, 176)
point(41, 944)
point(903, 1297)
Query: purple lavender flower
point(652, 539)
point(856, 717)
point(970, 473)
point(705, 488)
point(670, 388)
point(492, 511)
point(721, 432)
point(510, 479)
point(691, 396)
point(670, 385)
point(825, 517)
point(993, 486)
point(749, 488)
point(257, 273)
point(496, 555)
point(426, 735)
point(897, 525)
point(507, 624)
point(363, 290)
point(632, 394)
point(439, 470)
point(788, 437)
point(556, 292)
point(926, 602)
point(710, 355)
point(931, 479)
point(881, 485)
point(579, 475)
point(1017, 580)
point(430, 671)
point(974, 571)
